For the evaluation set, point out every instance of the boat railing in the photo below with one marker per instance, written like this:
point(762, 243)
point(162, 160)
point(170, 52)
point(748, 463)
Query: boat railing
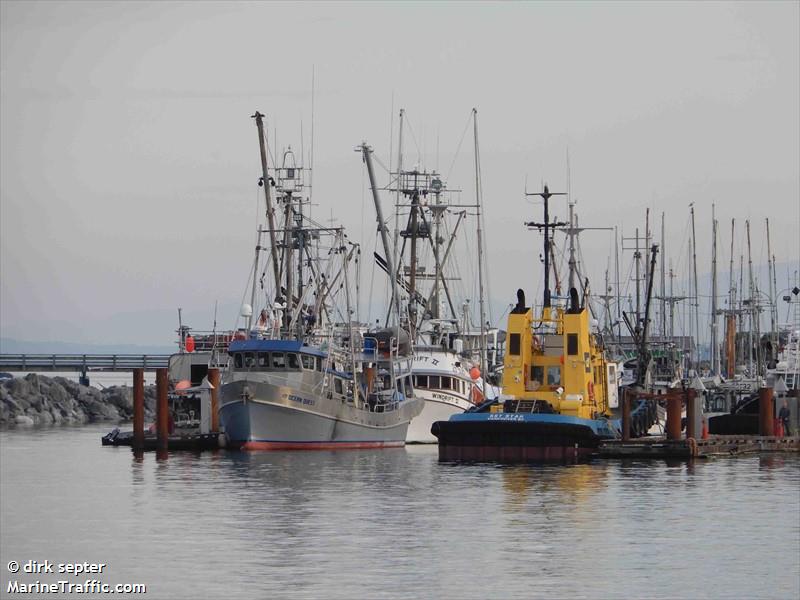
point(206, 341)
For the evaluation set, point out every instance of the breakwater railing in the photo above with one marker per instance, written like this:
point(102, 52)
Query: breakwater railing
point(83, 362)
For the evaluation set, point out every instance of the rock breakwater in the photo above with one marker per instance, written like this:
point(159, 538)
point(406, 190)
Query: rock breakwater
point(38, 400)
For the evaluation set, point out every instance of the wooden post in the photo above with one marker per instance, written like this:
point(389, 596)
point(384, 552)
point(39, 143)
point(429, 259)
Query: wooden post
point(691, 413)
point(213, 379)
point(138, 409)
point(162, 409)
point(626, 415)
point(766, 412)
point(673, 416)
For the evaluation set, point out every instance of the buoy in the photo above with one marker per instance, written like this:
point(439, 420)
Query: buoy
point(189, 343)
point(475, 373)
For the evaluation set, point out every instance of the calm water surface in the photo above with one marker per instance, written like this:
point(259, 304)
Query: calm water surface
point(398, 523)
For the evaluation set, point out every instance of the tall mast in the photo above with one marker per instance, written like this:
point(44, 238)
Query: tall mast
point(715, 363)
point(345, 265)
point(255, 281)
point(646, 241)
point(366, 153)
point(479, 203)
point(671, 303)
point(752, 302)
point(773, 310)
point(571, 245)
point(288, 269)
point(637, 257)
point(696, 293)
point(412, 284)
point(730, 321)
point(663, 282)
point(265, 182)
point(397, 199)
point(547, 226)
point(616, 277)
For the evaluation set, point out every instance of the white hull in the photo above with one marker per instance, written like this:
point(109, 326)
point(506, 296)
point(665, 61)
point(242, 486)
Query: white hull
point(419, 432)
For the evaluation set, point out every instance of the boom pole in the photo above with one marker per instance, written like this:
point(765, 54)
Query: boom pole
point(265, 182)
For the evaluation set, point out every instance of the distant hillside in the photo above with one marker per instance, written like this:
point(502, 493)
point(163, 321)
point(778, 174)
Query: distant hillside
point(11, 346)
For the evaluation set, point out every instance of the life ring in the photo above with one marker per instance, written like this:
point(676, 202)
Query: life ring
point(590, 389)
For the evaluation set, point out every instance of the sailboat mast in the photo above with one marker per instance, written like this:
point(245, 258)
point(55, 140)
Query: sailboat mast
point(696, 293)
point(616, 277)
point(479, 203)
point(637, 257)
point(752, 301)
point(671, 303)
point(663, 281)
point(646, 241)
point(715, 362)
point(773, 310)
point(730, 324)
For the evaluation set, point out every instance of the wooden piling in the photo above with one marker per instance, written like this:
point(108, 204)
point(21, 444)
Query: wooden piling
point(691, 414)
point(138, 409)
point(626, 415)
point(766, 411)
point(673, 416)
point(213, 379)
point(162, 410)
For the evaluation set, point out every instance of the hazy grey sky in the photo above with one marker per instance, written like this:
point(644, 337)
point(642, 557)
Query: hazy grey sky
point(128, 160)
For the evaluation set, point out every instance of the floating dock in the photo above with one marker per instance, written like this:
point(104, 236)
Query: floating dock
point(717, 445)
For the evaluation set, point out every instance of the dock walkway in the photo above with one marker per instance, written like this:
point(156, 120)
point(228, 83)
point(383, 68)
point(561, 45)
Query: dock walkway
point(717, 445)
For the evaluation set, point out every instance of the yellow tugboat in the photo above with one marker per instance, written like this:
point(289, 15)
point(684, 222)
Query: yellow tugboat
point(558, 390)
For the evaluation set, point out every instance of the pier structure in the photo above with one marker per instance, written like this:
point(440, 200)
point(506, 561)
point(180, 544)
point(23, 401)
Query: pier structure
point(697, 444)
point(83, 363)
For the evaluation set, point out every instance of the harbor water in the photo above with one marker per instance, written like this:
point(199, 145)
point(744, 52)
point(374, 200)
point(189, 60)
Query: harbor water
point(396, 523)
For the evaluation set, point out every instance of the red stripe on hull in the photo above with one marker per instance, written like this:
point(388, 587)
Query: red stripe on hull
point(319, 445)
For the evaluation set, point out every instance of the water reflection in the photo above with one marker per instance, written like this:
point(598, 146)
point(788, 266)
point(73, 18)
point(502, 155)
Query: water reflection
point(398, 523)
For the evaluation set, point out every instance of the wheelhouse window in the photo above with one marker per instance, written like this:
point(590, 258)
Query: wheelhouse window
point(421, 381)
point(514, 344)
point(554, 375)
point(537, 374)
point(447, 383)
point(319, 363)
point(249, 360)
point(263, 360)
point(294, 360)
point(278, 360)
point(337, 385)
point(434, 382)
point(572, 344)
point(308, 361)
point(237, 360)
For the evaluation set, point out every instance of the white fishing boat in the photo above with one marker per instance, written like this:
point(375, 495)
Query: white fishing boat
point(298, 377)
point(447, 371)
